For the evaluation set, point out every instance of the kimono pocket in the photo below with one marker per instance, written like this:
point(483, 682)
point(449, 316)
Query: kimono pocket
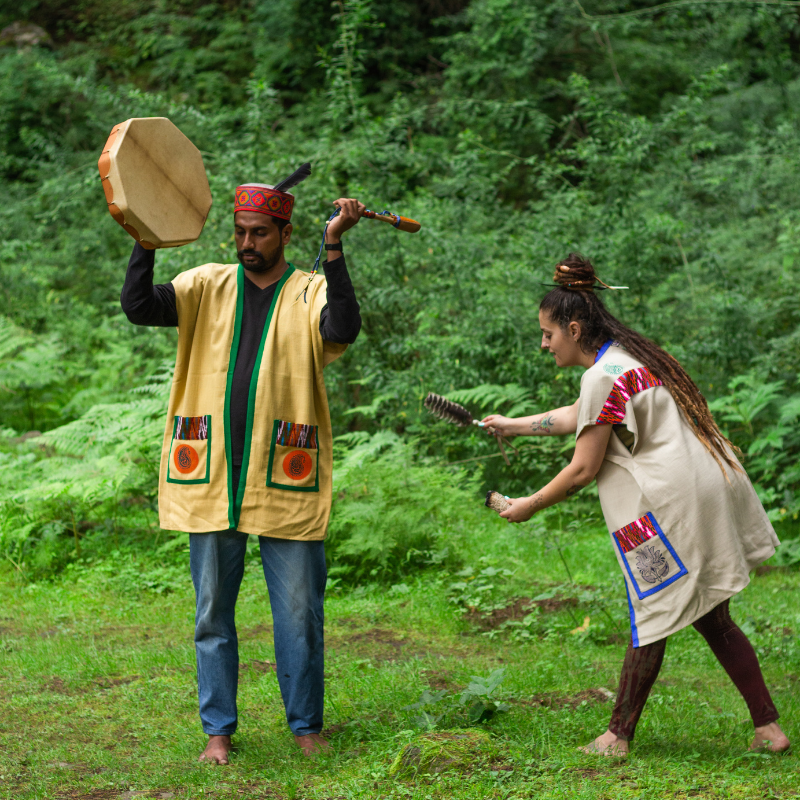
point(190, 450)
point(650, 559)
point(294, 457)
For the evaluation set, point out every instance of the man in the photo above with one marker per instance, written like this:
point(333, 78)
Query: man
point(247, 448)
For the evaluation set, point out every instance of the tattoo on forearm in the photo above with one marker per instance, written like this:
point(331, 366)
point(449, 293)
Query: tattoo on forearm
point(574, 489)
point(545, 424)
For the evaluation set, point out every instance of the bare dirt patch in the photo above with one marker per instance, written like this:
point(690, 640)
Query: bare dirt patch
point(255, 632)
point(589, 774)
point(6, 629)
point(377, 643)
point(333, 730)
point(439, 679)
point(58, 685)
point(110, 681)
point(518, 609)
point(556, 700)
point(113, 794)
point(261, 667)
point(348, 622)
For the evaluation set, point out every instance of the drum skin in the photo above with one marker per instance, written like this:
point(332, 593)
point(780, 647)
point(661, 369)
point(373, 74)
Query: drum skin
point(155, 183)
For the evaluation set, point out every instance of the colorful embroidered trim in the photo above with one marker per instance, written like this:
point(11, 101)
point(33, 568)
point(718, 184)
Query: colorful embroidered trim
point(631, 383)
point(191, 427)
point(638, 532)
point(264, 199)
point(290, 434)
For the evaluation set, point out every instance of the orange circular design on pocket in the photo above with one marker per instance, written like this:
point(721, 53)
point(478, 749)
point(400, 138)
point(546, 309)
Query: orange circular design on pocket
point(186, 458)
point(297, 465)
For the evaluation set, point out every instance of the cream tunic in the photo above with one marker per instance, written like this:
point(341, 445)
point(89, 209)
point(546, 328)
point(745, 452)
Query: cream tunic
point(685, 538)
point(285, 483)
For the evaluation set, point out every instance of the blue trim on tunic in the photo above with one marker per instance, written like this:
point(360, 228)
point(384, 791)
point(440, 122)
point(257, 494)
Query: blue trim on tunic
point(602, 351)
point(634, 632)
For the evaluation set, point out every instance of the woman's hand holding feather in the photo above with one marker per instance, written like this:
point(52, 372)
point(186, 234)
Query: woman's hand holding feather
point(498, 424)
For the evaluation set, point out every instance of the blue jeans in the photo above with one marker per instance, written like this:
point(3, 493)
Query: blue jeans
point(295, 573)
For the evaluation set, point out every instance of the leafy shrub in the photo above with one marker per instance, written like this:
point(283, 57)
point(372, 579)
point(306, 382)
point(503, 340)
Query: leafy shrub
point(395, 510)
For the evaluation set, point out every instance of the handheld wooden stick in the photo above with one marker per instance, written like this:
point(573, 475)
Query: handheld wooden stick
point(401, 223)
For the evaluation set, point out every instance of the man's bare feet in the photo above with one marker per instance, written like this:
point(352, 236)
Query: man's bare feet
point(609, 744)
point(312, 744)
point(771, 738)
point(216, 750)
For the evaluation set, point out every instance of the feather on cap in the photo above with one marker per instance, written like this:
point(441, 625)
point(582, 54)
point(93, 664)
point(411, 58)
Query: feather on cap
point(298, 176)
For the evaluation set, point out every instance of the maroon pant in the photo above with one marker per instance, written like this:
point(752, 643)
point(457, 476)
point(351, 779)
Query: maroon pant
point(729, 645)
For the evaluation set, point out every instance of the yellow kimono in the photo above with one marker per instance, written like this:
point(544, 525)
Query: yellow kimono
point(285, 484)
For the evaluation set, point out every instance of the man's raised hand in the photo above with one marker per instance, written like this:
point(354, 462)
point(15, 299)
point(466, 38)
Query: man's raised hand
point(349, 214)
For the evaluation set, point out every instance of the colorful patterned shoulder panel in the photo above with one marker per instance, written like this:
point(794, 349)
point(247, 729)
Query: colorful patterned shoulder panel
point(625, 387)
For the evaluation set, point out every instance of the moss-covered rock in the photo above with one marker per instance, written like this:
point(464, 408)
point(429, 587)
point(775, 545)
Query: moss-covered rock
point(443, 751)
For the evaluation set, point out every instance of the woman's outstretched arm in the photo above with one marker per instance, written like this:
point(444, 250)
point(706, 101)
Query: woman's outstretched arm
point(558, 422)
point(590, 449)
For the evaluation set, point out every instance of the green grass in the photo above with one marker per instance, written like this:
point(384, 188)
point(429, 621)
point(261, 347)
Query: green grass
point(98, 691)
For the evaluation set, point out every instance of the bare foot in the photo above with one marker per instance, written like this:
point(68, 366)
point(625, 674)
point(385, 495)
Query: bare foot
point(312, 744)
point(216, 750)
point(772, 738)
point(609, 744)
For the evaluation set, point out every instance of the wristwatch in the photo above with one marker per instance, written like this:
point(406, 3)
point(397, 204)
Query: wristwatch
point(337, 246)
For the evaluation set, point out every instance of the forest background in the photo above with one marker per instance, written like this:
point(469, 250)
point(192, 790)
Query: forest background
point(659, 141)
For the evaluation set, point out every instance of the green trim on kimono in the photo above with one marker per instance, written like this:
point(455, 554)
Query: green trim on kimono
point(286, 473)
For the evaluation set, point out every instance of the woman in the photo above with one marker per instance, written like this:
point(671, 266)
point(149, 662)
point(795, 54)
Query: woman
point(685, 522)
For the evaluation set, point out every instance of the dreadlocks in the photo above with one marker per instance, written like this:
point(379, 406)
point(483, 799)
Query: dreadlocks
point(575, 301)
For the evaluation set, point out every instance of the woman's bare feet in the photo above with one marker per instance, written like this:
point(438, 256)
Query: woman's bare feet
point(609, 744)
point(216, 750)
point(772, 738)
point(312, 744)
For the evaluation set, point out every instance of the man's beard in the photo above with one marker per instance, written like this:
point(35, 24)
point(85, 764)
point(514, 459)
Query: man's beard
point(264, 263)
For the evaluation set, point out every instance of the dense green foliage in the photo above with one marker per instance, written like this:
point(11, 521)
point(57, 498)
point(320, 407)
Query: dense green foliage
point(662, 144)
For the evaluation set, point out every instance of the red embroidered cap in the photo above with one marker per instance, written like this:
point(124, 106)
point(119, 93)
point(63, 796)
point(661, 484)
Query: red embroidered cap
point(264, 199)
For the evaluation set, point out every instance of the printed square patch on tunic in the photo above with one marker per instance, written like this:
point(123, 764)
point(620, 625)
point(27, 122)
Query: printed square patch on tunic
point(649, 557)
point(189, 452)
point(294, 457)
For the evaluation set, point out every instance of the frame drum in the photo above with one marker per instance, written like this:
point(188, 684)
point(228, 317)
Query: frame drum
point(155, 182)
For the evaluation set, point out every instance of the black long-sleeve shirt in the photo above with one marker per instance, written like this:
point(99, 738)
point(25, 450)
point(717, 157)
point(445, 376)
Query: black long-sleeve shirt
point(148, 304)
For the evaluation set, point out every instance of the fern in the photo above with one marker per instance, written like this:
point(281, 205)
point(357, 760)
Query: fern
point(75, 476)
point(516, 400)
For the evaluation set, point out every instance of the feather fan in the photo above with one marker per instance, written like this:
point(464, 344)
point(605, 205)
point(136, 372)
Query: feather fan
point(298, 176)
point(449, 411)
point(446, 409)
